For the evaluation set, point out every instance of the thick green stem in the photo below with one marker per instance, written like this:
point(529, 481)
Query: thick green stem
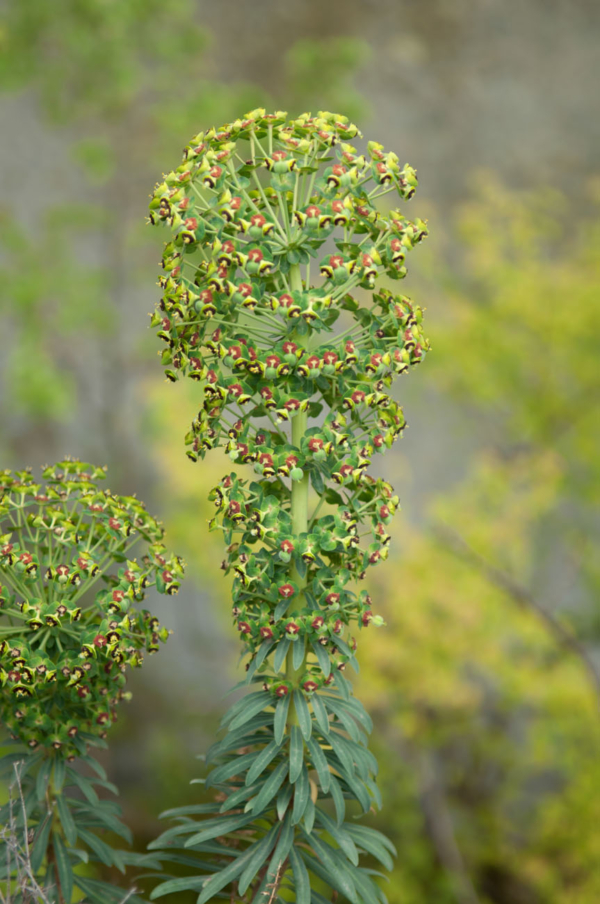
point(299, 513)
point(51, 796)
point(299, 506)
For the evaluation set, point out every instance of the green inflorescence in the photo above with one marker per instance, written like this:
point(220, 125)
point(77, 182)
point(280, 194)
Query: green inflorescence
point(294, 370)
point(71, 627)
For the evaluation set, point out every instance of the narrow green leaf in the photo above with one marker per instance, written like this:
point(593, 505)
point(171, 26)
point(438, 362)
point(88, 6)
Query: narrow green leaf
point(135, 858)
point(41, 781)
point(58, 778)
point(261, 850)
point(103, 893)
point(298, 654)
point(365, 762)
point(40, 844)
point(336, 875)
point(176, 857)
point(239, 796)
point(240, 706)
point(253, 707)
point(263, 758)
point(368, 890)
point(333, 497)
point(330, 877)
point(270, 787)
point(360, 831)
point(280, 654)
point(186, 883)
point(235, 739)
point(371, 841)
point(64, 868)
point(296, 752)
point(373, 788)
point(283, 799)
point(309, 816)
point(339, 748)
point(226, 771)
point(356, 708)
point(250, 670)
point(338, 798)
point(320, 714)
point(343, 685)
point(347, 651)
point(279, 722)
point(66, 820)
point(84, 785)
point(103, 851)
point(301, 795)
point(279, 612)
point(95, 765)
point(301, 878)
point(110, 786)
point(341, 837)
point(316, 478)
point(219, 880)
point(357, 789)
point(322, 658)
point(263, 651)
point(50, 877)
point(189, 810)
point(222, 825)
point(303, 713)
point(282, 848)
point(104, 814)
point(340, 713)
point(320, 764)
point(169, 835)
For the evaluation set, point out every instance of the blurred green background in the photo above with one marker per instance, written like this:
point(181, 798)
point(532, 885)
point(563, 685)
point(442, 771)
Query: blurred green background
point(484, 685)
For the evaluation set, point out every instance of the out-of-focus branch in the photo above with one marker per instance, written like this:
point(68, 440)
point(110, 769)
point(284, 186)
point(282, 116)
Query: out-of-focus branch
point(441, 828)
point(433, 803)
point(520, 595)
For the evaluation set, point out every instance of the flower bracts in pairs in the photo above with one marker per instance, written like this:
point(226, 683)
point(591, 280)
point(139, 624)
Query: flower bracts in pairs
point(271, 303)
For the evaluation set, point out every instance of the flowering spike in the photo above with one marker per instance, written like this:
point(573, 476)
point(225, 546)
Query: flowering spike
point(295, 368)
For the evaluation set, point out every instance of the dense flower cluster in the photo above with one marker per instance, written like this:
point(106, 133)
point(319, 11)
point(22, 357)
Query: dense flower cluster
point(250, 204)
point(328, 557)
point(69, 624)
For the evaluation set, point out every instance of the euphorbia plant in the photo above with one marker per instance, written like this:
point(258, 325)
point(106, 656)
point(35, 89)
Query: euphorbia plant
point(294, 372)
point(70, 628)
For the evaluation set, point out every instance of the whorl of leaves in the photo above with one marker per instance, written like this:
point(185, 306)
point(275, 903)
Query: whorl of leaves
point(69, 622)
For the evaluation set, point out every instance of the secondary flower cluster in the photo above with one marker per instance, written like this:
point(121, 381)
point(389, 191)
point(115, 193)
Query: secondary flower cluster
point(248, 209)
point(65, 643)
point(329, 557)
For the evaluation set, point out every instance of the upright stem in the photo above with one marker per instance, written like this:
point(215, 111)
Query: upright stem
point(299, 513)
point(50, 849)
point(299, 503)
